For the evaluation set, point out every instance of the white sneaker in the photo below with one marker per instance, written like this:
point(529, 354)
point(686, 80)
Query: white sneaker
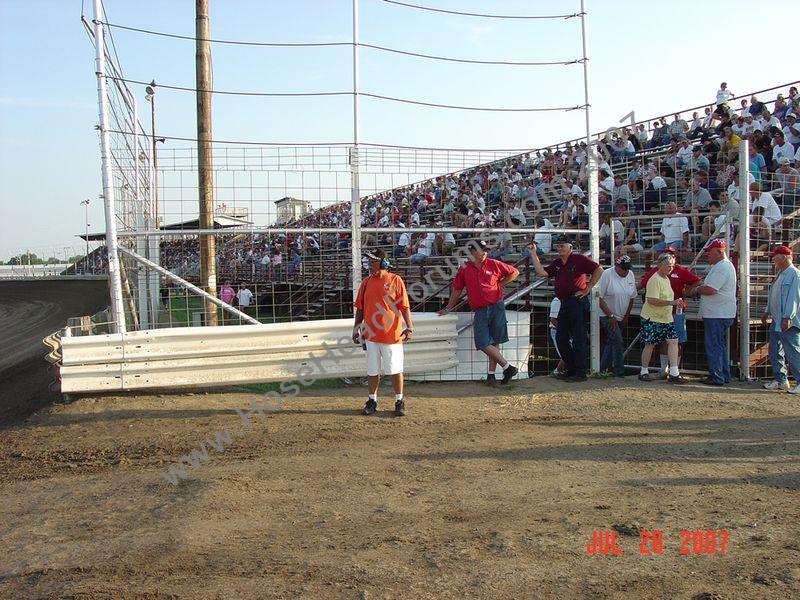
point(777, 385)
point(795, 389)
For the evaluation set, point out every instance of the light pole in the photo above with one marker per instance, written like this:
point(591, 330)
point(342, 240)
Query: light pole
point(150, 96)
point(85, 204)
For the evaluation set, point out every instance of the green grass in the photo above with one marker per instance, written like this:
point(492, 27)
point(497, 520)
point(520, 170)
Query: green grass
point(181, 309)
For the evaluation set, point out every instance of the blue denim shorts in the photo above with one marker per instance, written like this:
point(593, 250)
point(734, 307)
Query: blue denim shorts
point(490, 326)
point(679, 320)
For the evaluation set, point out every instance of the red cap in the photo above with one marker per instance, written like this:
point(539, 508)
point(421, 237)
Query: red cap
point(718, 243)
point(781, 250)
point(670, 249)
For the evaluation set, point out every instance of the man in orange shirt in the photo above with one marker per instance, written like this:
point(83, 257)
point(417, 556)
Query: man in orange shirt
point(381, 302)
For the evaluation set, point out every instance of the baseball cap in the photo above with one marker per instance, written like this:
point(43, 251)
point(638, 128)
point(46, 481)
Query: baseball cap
point(721, 244)
point(785, 250)
point(563, 239)
point(376, 254)
point(670, 249)
point(782, 160)
point(472, 244)
point(624, 261)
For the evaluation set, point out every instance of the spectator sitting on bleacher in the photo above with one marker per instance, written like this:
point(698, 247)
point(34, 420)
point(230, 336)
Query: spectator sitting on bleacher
point(607, 228)
point(772, 212)
point(503, 245)
point(631, 243)
point(780, 148)
point(791, 131)
point(674, 230)
point(730, 145)
point(678, 128)
point(714, 225)
point(423, 248)
point(723, 95)
point(744, 109)
point(621, 194)
point(787, 179)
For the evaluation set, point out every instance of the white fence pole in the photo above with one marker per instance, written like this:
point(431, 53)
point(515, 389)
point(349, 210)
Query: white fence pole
point(355, 197)
point(114, 278)
point(594, 207)
point(744, 261)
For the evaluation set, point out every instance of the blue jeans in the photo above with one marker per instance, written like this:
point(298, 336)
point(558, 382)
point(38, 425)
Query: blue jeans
point(716, 350)
point(612, 354)
point(571, 334)
point(784, 350)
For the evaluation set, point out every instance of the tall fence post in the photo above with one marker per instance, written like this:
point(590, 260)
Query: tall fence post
point(355, 193)
point(114, 277)
point(744, 261)
point(594, 207)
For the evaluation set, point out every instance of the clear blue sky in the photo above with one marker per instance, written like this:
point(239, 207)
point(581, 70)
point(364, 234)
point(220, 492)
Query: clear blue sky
point(653, 58)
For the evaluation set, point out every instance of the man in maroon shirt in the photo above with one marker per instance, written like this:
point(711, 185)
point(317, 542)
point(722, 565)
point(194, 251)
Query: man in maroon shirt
point(484, 279)
point(680, 279)
point(570, 270)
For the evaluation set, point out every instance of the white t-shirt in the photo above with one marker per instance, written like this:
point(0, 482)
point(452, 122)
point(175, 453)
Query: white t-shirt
point(772, 212)
point(244, 296)
point(658, 182)
point(544, 240)
point(673, 228)
point(426, 243)
point(786, 150)
point(404, 240)
point(619, 231)
point(723, 96)
point(555, 307)
point(617, 291)
point(722, 305)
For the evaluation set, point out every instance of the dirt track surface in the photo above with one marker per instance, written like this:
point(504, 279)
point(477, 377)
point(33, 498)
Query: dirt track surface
point(29, 311)
point(470, 495)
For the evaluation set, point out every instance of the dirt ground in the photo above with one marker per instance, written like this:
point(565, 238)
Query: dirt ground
point(473, 494)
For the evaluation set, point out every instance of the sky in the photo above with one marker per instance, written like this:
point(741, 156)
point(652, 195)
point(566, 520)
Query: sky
point(651, 58)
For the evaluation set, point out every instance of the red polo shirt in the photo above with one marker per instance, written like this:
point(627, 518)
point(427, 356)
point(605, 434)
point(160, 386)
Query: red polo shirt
point(481, 281)
point(679, 279)
point(570, 276)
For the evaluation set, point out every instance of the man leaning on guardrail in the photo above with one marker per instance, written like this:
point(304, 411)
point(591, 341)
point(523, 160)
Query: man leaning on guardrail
point(484, 279)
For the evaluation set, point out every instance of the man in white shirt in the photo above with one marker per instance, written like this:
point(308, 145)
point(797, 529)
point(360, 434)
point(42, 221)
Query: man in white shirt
point(674, 230)
point(607, 226)
point(723, 95)
point(617, 292)
point(401, 249)
point(772, 212)
point(424, 247)
point(780, 147)
point(717, 309)
point(244, 296)
point(791, 132)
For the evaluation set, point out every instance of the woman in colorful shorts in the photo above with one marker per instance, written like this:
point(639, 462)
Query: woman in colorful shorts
point(657, 322)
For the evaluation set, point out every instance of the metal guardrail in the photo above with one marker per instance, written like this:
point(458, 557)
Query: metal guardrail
point(213, 356)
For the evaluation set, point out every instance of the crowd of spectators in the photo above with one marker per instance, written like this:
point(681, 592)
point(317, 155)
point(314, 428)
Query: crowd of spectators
point(684, 169)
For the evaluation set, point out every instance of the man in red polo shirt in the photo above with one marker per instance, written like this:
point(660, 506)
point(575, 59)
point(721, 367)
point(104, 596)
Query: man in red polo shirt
point(569, 271)
point(484, 279)
point(680, 279)
point(381, 302)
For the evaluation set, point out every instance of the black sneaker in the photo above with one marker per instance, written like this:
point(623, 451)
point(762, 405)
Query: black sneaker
point(399, 408)
point(508, 374)
point(491, 380)
point(577, 378)
point(370, 407)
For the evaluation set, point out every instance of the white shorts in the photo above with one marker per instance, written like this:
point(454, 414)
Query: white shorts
point(390, 356)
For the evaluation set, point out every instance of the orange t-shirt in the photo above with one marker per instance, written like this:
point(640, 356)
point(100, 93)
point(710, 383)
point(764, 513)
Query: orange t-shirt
point(382, 299)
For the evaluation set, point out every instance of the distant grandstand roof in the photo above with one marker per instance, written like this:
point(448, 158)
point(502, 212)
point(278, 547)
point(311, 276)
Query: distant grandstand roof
point(220, 222)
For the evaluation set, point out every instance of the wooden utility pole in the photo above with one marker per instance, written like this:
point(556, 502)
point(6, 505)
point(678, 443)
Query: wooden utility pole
point(208, 275)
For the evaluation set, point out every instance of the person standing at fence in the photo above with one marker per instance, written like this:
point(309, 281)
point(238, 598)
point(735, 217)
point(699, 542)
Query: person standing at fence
point(381, 309)
point(657, 320)
point(484, 279)
point(783, 306)
point(570, 270)
point(679, 279)
point(617, 291)
point(717, 309)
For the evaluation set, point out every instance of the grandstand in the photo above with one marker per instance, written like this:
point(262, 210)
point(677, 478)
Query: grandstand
point(299, 269)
